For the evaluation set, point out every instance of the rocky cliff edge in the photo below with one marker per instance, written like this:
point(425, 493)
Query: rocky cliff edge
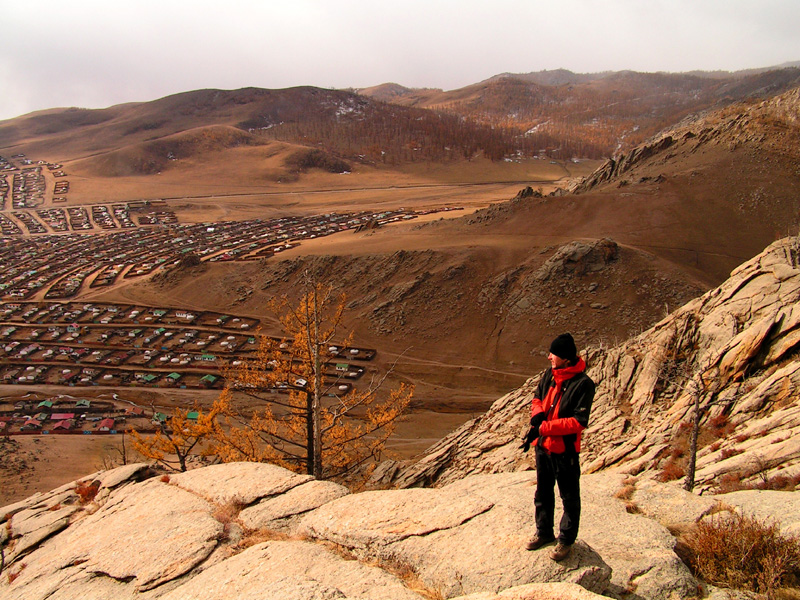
point(246, 530)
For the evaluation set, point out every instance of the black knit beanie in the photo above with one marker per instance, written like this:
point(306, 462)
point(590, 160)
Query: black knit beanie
point(564, 347)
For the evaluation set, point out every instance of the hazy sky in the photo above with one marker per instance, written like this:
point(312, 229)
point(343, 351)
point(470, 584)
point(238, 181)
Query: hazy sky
point(95, 54)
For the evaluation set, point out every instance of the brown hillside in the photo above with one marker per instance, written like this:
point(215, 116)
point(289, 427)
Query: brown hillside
point(469, 313)
point(593, 115)
point(148, 158)
point(352, 126)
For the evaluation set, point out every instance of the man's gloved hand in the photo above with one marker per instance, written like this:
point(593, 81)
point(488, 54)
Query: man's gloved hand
point(533, 432)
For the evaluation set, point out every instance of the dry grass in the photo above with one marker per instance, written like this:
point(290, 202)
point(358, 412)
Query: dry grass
point(87, 490)
point(252, 537)
point(12, 575)
point(671, 471)
point(228, 514)
point(744, 553)
point(408, 575)
point(625, 493)
point(728, 452)
point(733, 482)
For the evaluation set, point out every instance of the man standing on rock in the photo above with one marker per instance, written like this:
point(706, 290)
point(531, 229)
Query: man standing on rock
point(559, 412)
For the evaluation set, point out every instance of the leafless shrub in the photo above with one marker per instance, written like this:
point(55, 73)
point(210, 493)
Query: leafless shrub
point(730, 482)
point(671, 471)
point(728, 452)
point(720, 425)
point(87, 490)
point(741, 552)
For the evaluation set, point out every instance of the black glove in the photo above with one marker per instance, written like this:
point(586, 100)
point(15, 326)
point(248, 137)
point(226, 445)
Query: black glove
point(533, 432)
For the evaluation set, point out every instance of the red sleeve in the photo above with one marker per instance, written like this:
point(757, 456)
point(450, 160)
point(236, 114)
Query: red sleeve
point(536, 406)
point(561, 427)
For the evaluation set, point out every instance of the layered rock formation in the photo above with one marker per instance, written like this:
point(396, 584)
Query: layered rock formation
point(730, 130)
point(247, 530)
point(733, 351)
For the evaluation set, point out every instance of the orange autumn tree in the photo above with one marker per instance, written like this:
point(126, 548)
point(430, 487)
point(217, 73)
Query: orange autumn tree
point(178, 437)
point(317, 426)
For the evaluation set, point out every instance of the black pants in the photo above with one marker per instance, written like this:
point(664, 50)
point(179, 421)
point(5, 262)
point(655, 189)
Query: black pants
point(564, 470)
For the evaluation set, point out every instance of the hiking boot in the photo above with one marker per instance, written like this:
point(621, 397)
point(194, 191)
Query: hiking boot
point(539, 541)
point(561, 551)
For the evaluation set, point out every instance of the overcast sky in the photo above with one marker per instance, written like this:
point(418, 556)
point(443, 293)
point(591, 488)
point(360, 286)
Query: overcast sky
point(93, 54)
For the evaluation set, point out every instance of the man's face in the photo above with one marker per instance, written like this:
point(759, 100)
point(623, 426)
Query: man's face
point(557, 362)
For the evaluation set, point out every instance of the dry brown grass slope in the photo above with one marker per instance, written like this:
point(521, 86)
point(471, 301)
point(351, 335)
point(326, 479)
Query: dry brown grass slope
point(593, 114)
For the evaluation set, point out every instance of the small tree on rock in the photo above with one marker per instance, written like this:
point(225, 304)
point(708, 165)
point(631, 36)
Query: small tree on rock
point(178, 437)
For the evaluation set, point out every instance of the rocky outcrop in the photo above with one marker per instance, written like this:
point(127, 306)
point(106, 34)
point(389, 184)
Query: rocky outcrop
point(733, 351)
point(727, 129)
point(247, 530)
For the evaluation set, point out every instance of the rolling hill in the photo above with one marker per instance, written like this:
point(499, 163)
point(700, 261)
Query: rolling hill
point(592, 115)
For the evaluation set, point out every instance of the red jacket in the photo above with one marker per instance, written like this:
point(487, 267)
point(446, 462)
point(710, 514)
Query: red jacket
point(565, 397)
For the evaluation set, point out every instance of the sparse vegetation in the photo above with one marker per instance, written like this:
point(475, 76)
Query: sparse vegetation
point(741, 552)
point(178, 437)
point(625, 493)
point(87, 490)
point(303, 160)
point(720, 425)
point(671, 471)
point(735, 481)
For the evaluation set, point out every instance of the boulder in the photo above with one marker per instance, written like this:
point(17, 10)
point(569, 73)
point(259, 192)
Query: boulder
point(671, 505)
point(462, 538)
point(273, 512)
point(242, 482)
point(29, 527)
point(146, 534)
point(292, 570)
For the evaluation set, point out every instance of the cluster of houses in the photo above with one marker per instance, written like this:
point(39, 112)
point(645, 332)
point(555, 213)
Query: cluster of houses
point(45, 220)
point(114, 345)
point(61, 265)
point(60, 415)
point(28, 188)
point(62, 253)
